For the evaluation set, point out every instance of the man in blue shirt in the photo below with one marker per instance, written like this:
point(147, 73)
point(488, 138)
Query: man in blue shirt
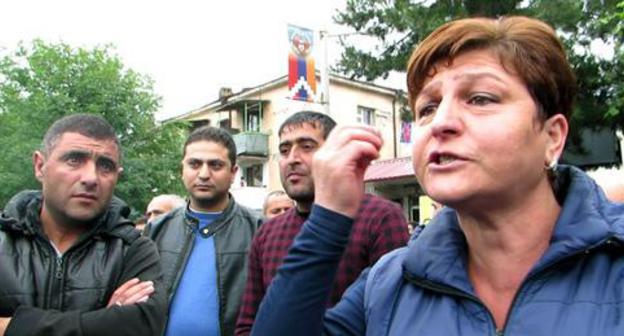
point(203, 246)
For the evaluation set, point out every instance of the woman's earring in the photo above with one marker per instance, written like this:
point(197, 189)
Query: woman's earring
point(552, 166)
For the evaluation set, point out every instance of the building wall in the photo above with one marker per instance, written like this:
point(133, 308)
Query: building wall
point(344, 103)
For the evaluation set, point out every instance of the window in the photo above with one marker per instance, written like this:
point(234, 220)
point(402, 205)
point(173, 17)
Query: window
point(253, 121)
point(252, 175)
point(414, 206)
point(254, 117)
point(366, 116)
point(415, 214)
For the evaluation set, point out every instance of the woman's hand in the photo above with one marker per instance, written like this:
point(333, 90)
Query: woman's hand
point(339, 166)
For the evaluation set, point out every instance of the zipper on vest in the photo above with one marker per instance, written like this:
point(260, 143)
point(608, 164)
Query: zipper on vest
point(57, 284)
point(58, 274)
point(55, 262)
point(444, 289)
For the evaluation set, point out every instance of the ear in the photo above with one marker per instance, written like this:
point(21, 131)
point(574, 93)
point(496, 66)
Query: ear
point(38, 163)
point(234, 171)
point(556, 131)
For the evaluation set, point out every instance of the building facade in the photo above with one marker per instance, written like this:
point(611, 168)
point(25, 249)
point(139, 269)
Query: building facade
point(254, 115)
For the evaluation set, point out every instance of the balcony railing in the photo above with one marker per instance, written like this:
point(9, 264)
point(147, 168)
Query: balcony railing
point(252, 144)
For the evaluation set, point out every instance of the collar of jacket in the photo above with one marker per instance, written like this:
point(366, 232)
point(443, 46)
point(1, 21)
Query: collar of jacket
point(587, 220)
point(22, 214)
point(218, 224)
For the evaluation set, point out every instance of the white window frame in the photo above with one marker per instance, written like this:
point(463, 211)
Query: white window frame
point(366, 115)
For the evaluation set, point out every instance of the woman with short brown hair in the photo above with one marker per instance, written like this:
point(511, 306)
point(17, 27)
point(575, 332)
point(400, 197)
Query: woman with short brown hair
point(522, 246)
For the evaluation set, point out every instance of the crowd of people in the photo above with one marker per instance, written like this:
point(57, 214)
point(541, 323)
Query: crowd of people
point(520, 245)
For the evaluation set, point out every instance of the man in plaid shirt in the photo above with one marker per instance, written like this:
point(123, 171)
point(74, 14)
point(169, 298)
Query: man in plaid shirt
point(378, 228)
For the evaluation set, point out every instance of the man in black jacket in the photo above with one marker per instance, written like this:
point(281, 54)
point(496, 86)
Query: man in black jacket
point(70, 261)
point(203, 246)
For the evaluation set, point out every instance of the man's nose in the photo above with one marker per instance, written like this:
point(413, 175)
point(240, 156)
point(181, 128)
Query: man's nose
point(293, 155)
point(204, 171)
point(89, 175)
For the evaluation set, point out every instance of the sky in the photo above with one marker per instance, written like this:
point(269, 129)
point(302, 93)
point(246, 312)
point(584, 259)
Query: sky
point(189, 48)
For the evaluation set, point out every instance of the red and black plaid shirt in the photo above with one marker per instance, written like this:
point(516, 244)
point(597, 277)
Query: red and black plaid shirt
point(378, 228)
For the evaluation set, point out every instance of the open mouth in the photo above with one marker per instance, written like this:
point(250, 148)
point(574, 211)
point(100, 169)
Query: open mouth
point(443, 159)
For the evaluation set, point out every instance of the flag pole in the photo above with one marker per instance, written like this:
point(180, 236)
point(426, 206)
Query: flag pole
point(323, 34)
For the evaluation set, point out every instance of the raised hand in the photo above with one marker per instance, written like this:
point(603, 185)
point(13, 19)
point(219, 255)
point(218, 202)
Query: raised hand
point(339, 166)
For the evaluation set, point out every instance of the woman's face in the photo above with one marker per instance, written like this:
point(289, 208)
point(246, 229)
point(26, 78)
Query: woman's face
point(478, 139)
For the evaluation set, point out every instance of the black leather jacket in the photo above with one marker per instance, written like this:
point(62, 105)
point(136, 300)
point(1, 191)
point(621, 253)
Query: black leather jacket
point(233, 232)
point(45, 294)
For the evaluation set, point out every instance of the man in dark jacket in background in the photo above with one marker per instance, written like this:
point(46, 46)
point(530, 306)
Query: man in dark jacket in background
point(203, 246)
point(70, 261)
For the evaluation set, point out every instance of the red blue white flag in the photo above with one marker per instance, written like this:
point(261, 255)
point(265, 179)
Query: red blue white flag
point(301, 75)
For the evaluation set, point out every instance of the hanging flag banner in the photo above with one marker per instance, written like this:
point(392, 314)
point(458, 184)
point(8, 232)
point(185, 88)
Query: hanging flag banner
point(301, 75)
point(406, 132)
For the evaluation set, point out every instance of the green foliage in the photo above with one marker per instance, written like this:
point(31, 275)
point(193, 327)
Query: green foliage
point(42, 82)
point(398, 26)
point(612, 27)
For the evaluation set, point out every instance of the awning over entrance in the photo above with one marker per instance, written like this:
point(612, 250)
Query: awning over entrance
point(389, 169)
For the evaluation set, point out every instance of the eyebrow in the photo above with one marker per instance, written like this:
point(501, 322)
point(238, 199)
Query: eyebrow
point(104, 158)
point(298, 140)
point(75, 152)
point(470, 77)
point(86, 153)
point(431, 87)
point(192, 159)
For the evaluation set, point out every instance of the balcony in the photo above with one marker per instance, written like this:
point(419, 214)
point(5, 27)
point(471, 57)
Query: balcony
point(252, 144)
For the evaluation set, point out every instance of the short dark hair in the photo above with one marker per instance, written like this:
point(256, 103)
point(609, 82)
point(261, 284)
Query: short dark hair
point(315, 119)
point(89, 125)
point(213, 134)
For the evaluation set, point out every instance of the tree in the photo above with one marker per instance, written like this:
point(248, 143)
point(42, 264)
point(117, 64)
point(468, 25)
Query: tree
point(398, 25)
point(611, 27)
point(42, 82)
